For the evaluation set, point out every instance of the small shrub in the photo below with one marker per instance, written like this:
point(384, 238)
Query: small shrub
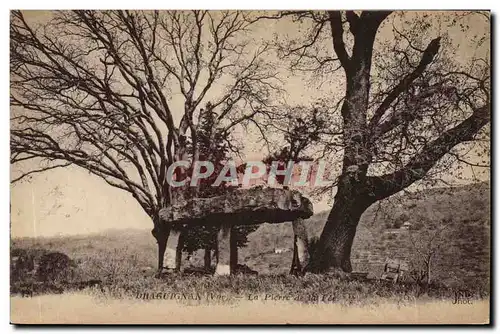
point(21, 263)
point(54, 266)
point(417, 226)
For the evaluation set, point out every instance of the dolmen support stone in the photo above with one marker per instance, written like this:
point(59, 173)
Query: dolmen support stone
point(236, 207)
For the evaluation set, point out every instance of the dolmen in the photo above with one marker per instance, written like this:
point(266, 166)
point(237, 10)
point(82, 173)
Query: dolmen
point(236, 207)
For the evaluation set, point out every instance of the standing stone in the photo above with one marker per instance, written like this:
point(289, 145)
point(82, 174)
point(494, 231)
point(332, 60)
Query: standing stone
point(234, 251)
point(300, 246)
point(173, 252)
point(207, 259)
point(224, 250)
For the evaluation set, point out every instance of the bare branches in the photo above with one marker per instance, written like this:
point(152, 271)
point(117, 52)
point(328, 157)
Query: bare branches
point(427, 57)
point(95, 89)
point(415, 92)
point(427, 243)
point(39, 170)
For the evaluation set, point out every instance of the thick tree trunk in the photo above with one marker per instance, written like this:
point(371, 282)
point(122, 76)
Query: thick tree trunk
point(333, 250)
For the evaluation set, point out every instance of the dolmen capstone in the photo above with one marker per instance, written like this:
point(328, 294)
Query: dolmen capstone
point(236, 207)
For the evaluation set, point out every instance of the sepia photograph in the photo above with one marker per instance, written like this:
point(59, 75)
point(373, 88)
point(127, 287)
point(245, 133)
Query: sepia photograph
point(250, 167)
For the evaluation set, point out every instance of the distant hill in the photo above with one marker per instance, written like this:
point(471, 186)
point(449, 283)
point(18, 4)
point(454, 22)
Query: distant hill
point(463, 260)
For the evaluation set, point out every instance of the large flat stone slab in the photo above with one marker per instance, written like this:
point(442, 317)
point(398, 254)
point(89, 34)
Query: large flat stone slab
point(241, 207)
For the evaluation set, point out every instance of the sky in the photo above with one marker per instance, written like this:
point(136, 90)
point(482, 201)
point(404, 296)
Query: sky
point(72, 201)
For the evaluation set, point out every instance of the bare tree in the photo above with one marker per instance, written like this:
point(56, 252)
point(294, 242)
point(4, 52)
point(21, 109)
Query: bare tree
point(96, 89)
point(426, 245)
point(411, 109)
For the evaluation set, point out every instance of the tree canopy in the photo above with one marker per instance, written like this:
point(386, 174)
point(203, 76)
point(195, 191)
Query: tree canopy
point(96, 89)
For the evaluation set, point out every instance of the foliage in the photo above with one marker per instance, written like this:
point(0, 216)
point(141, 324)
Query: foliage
point(213, 147)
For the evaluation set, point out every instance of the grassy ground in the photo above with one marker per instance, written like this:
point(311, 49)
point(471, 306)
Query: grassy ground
point(124, 260)
point(310, 289)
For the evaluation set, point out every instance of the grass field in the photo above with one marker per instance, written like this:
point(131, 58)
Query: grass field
point(124, 260)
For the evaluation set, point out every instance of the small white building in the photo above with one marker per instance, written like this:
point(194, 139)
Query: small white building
point(281, 250)
point(406, 226)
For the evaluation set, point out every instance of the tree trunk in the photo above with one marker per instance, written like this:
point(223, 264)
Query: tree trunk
point(333, 250)
point(428, 271)
point(207, 259)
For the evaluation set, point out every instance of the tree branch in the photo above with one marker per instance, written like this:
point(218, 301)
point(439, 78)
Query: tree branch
point(389, 184)
point(39, 170)
point(338, 39)
point(427, 57)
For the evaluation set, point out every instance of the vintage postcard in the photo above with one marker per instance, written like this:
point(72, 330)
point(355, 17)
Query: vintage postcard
point(250, 167)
